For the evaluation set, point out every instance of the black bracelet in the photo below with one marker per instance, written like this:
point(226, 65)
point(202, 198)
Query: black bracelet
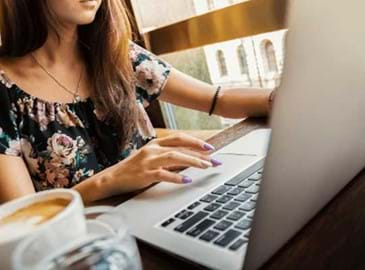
point(271, 99)
point(272, 96)
point(215, 98)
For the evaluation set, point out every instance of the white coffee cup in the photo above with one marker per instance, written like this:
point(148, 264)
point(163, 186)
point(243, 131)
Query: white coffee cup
point(105, 236)
point(66, 225)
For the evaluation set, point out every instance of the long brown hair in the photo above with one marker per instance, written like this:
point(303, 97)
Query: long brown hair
point(104, 44)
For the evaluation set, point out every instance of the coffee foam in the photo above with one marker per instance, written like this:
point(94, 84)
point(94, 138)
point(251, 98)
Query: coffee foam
point(24, 220)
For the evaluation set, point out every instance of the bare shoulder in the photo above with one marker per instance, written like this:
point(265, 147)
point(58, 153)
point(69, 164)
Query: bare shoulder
point(9, 65)
point(14, 68)
point(9, 61)
point(3, 63)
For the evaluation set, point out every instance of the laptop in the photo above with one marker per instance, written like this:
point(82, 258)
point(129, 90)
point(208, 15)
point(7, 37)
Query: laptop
point(273, 182)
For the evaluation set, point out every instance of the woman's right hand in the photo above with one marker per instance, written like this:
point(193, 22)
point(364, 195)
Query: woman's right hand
point(153, 163)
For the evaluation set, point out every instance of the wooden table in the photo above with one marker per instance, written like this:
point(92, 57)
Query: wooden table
point(333, 239)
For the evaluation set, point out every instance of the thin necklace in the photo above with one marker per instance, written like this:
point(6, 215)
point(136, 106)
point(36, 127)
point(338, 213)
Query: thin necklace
point(76, 97)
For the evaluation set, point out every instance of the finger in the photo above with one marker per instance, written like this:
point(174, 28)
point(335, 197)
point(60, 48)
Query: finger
point(166, 176)
point(158, 150)
point(215, 162)
point(176, 168)
point(198, 154)
point(190, 152)
point(175, 158)
point(184, 140)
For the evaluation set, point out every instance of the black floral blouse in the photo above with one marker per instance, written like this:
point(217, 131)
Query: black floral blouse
point(62, 144)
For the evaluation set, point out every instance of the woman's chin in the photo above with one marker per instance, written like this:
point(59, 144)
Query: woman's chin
point(84, 19)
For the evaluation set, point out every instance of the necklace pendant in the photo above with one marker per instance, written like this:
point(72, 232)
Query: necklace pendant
point(77, 99)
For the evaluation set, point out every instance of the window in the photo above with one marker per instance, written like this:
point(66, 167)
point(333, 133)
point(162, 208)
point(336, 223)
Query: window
point(210, 4)
point(221, 61)
point(173, 11)
point(212, 59)
point(202, 63)
point(242, 59)
point(271, 62)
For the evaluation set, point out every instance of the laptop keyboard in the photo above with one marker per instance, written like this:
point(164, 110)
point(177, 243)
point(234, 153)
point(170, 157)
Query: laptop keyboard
point(223, 216)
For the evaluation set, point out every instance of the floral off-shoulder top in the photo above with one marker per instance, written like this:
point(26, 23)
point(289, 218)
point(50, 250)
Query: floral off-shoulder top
point(62, 144)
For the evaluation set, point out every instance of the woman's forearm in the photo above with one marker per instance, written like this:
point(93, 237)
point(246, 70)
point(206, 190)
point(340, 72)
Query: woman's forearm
point(147, 166)
point(239, 103)
point(185, 91)
point(96, 187)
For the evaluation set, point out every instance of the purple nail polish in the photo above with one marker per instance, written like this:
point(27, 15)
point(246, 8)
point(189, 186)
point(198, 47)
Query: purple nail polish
point(215, 162)
point(187, 180)
point(208, 147)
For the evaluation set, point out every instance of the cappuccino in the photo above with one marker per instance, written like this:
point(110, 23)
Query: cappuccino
point(25, 219)
point(49, 213)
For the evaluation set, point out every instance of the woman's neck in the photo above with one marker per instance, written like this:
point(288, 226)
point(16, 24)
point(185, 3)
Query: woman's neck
point(61, 46)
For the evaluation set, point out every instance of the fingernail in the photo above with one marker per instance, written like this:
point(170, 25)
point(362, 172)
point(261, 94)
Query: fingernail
point(216, 163)
point(187, 180)
point(208, 147)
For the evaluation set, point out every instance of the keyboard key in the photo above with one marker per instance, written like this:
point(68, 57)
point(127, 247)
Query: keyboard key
point(223, 225)
point(243, 224)
point(191, 222)
point(231, 206)
point(239, 243)
point(248, 206)
point(208, 198)
point(255, 177)
point(236, 215)
point(254, 198)
point(246, 184)
point(224, 199)
point(243, 197)
point(193, 205)
point(235, 181)
point(167, 222)
point(250, 215)
point(235, 191)
point(201, 227)
point(253, 189)
point(209, 236)
point(225, 239)
point(219, 214)
point(184, 214)
point(221, 190)
point(212, 207)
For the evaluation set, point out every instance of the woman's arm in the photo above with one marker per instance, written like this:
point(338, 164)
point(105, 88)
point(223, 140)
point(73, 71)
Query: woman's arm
point(15, 180)
point(186, 91)
point(150, 164)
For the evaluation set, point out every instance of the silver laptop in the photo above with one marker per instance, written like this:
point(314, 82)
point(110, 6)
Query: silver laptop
point(237, 216)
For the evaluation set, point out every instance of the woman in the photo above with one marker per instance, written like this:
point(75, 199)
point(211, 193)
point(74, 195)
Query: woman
point(72, 94)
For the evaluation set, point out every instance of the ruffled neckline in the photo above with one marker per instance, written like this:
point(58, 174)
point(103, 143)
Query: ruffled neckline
point(8, 83)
